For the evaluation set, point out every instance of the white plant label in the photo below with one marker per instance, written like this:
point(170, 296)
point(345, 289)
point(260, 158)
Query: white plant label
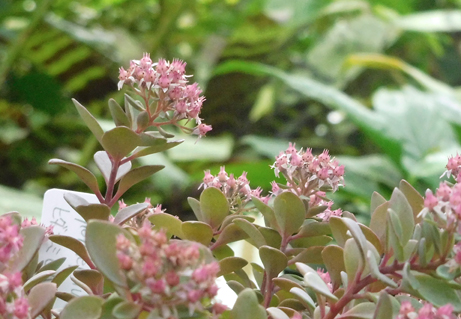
point(65, 221)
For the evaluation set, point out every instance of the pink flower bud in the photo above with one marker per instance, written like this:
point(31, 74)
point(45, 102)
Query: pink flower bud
point(324, 157)
point(121, 204)
point(194, 295)
point(291, 148)
point(202, 129)
point(164, 82)
point(157, 286)
point(21, 308)
point(126, 263)
point(443, 192)
point(146, 62)
point(222, 175)
point(172, 278)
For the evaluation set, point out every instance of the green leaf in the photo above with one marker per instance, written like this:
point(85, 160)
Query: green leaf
point(313, 228)
point(289, 212)
point(100, 241)
point(378, 220)
point(40, 296)
point(303, 296)
point(88, 307)
point(230, 233)
point(437, 291)
point(159, 146)
point(53, 265)
point(267, 212)
point(274, 260)
point(376, 200)
point(104, 164)
point(394, 234)
point(74, 245)
point(313, 281)
point(126, 310)
point(374, 270)
point(252, 231)
point(62, 275)
point(119, 142)
point(333, 258)
point(364, 310)
point(135, 176)
point(119, 116)
point(311, 255)
point(339, 231)
point(168, 222)
point(399, 204)
point(89, 120)
point(353, 260)
point(264, 103)
point(414, 198)
point(195, 205)
point(129, 212)
point(287, 282)
point(271, 236)
point(230, 264)
point(214, 206)
point(33, 238)
point(383, 306)
point(197, 231)
point(247, 306)
point(85, 175)
point(37, 278)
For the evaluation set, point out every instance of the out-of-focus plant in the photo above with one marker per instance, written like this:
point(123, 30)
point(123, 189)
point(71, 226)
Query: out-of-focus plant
point(317, 261)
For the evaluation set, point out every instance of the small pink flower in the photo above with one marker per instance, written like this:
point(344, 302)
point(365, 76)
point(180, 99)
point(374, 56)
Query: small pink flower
point(444, 192)
point(122, 242)
point(222, 175)
point(21, 308)
point(202, 129)
point(430, 201)
point(121, 204)
point(126, 263)
point(172, 278)
point(194, 295)
point(157, 286)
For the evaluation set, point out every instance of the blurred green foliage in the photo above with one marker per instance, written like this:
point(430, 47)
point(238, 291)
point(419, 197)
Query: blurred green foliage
point(373, 81)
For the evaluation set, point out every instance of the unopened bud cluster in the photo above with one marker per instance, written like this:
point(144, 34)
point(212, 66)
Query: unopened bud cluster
point(167, 274)
point(306, 173)
point(168, 96)
point(427, 311)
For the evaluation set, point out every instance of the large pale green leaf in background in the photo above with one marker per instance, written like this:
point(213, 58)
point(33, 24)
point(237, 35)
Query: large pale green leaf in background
point(28, 205)
point(431, 21)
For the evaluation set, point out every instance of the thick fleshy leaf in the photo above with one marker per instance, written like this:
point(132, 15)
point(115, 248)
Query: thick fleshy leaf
point(168, 222)
point(197, 231)
point(333, 258)
point(303, 296)
point(271, 236)
point(100, 241)
point(289, 212)
point(119, 142)
point(247, 306)
point(276, 313)
point(195, 205)
point(119, 116)
point(105, 166)
point(53, 265)
point(413, 197)
point(353, 259)
point(37, 278)
point(313, 281)
point(230, 233)
point(394, 234)
point(437, 292)
point(376, 200)
point(374, 270)
point(73, 244)
point(129, 212)
point(286, 282)
point(311, 241)
point(222, 252)
point(33, 238)
point(85, 175)
point(357, 233)
point(62, 275)
point(378, 220)
point(159, 147)
point(88, 307)
point(135, 176)
point(371, 237)
point(109, 305)
point(214, 206)
point(252, 231)
point(339, 231)
point(236, 286)
point(92, 278)
point(40, 296)
point(231, 264)
point(399, 204)
point(126, 310)
point(274, 260)
point(364, 310)
point(258, 273)
point(86, 210)
point(267, 212)
point(230, 218)
point(311, 255)
point(89, 120)
point(383, 306)
point(313, 228)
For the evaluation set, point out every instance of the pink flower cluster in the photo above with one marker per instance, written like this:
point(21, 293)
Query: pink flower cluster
point(13, 303)
point(237, 191)
point(10, 239)
point(319, 199)
point(445, 203)
point(428, 311)
point(168, 273)
point(453, 167)
point(306, 173)
point(166, 84)
point(33, 222)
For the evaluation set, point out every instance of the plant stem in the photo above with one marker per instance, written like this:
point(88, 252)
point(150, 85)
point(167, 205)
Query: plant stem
point(111, 183)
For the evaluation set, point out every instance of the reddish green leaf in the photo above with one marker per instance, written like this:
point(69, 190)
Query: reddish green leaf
point(267, 212)
point(313, 281)
point(33, 238)
point(74, 245)
point(230, 234)
point(88, 307)
point(89, 120)
point(252, 231)
point(168, 222)
point(129, 212)
point(376, 200)
point(62, 275)
point(135, 176)
point(399, 204)
point(414, 198)
point(231, 264)
point(85, 175)
point(247, 306)
point(303, 296)
point(364, 310)
point(274, 260)
point(119, 116)
point(289, 212)
point(126, 310)
point(37, 278)
point(40, 296)
point(333, 258)
point(92, 278)
point(378, 222)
